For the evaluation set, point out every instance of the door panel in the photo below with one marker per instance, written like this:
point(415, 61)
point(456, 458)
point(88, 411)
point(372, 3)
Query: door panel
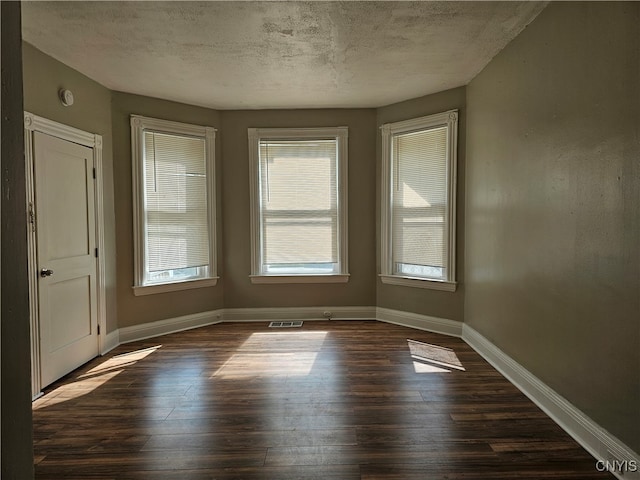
point(64, 188)
point(68, 234)
point(69, 312)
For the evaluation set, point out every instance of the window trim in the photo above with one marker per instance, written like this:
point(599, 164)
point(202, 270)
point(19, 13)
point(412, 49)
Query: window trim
point(388, 130)
point(138, 126)
point(314, 133)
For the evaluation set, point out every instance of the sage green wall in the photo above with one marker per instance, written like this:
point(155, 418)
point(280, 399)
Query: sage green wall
point(553, 210)
point(448, 305)
point(134, 310)
point(91, 112)
point(238, 290)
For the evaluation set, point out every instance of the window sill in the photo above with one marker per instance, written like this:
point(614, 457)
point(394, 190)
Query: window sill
point(174, 286)
point(419, 283)
point(338, 278)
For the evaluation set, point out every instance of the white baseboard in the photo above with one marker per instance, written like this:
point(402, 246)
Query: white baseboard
point(169, 325)
point(298, 313)
point(593, 438)
point(111, 341)
point(172, 325)
point(420, 322)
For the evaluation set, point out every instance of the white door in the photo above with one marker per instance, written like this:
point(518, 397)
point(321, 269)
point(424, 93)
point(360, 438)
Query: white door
point(66, 242)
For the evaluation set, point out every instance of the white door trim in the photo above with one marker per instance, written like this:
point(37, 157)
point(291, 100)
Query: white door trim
point(34, 123)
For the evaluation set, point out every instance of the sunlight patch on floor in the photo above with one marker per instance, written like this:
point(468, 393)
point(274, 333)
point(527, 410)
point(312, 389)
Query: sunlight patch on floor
point(73, 390)
point(121, 361)
point(89, 381)
point(269, 354)
point(428, 358)
point(420, 367)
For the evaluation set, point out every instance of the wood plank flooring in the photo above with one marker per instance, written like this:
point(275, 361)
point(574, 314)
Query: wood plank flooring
point(330, 400)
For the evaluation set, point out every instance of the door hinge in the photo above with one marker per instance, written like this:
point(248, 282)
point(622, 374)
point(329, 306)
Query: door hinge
point(32, 217)
point(94, 173)
point(96, 251)
point(98, 329)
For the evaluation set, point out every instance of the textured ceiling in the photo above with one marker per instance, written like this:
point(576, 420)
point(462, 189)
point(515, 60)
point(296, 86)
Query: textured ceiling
point(239, 55)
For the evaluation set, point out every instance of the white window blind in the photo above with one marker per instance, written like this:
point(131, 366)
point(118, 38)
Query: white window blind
point(418, 210)
point(299, 206)
point(176, 215)
point(419, 203)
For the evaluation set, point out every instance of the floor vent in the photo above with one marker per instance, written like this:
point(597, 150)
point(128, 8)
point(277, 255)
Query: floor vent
point(285, 324)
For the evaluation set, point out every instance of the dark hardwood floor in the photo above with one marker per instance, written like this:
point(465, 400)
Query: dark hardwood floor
point(329, 400)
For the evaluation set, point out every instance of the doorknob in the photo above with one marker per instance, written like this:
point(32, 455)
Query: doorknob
point(46, 272)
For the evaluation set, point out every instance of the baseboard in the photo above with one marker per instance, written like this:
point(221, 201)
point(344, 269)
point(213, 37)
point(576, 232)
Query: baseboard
point(419, 322)
point(111, 341)
point(298, 313)
point(170, 325)
point(598, 442)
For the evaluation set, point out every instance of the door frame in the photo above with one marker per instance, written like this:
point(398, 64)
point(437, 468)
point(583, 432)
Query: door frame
point(34, 123)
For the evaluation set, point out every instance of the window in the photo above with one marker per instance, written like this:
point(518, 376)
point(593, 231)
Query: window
point(174, 206)
point(418, 195)
point(298, 204)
